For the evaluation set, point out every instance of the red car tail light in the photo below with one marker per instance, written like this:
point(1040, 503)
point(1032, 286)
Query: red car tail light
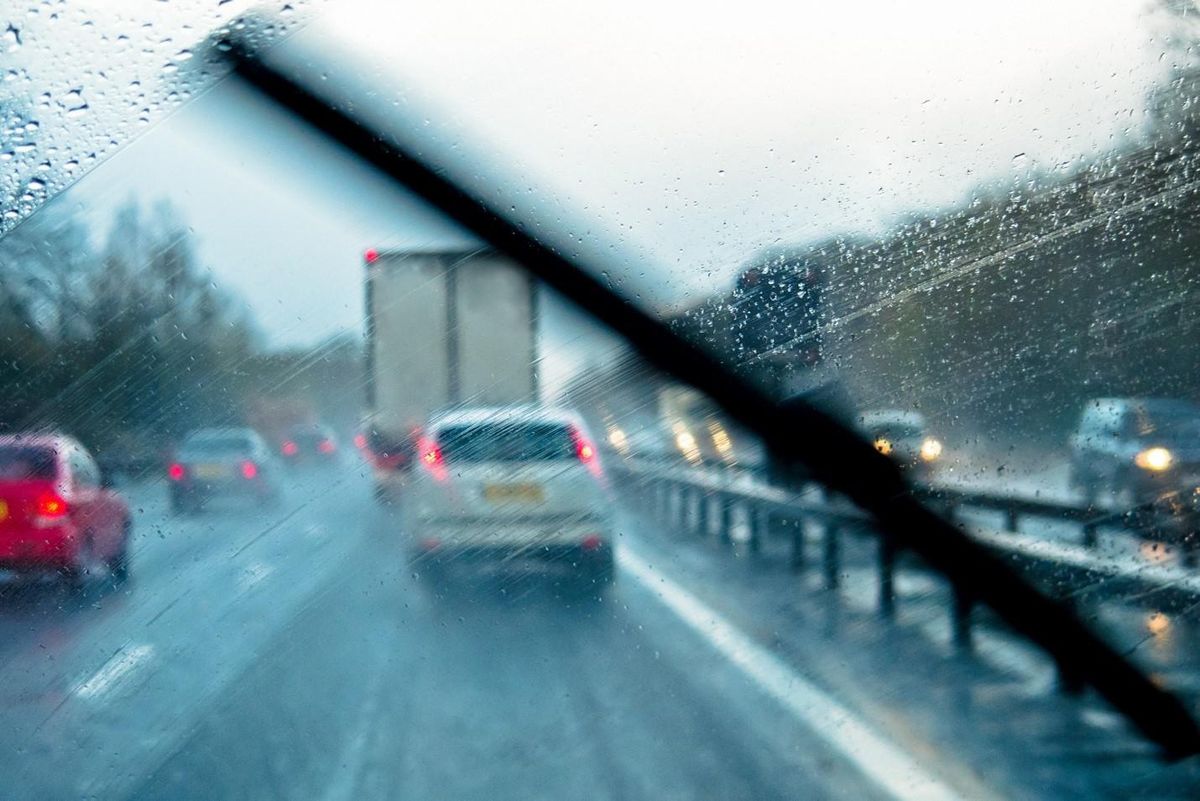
point(290, 448)
point(50, 506)
point(249, 470)
point(592, 542)
point(177, 472)
point(326, 446)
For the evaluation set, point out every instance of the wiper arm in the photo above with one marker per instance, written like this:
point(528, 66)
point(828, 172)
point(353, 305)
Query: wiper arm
point(796, 432)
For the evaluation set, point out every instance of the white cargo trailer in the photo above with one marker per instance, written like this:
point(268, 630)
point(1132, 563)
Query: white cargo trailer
point(444, 328)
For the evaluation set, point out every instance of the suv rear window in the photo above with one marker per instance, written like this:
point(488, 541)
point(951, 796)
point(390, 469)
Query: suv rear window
point(506, 442)
point(217, 446)
point(24, 463)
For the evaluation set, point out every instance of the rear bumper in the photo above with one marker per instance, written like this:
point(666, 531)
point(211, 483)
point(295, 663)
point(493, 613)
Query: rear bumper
point(530, 540)
point(52, 547)
point(206, 489)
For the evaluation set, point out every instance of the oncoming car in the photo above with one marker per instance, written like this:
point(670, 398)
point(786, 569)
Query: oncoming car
point(56, 515)
point(222, 462)
point(1137, 449)
point(903, 436)
point(510, 487)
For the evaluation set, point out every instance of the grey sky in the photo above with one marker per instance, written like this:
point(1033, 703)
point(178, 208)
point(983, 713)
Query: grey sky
point(697, 132)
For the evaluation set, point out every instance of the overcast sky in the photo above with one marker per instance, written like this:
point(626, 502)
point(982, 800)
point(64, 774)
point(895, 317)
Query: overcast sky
point(696, 133)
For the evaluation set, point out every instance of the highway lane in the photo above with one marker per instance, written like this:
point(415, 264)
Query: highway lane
point(292, 653)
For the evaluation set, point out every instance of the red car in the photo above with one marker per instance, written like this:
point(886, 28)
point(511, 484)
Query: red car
point(56, 514)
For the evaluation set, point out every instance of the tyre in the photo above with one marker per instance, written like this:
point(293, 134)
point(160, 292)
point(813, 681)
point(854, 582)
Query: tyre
point(118, 563)
point(79, 573)
point(597, 572)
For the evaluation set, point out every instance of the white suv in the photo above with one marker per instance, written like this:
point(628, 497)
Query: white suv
point(510, 486)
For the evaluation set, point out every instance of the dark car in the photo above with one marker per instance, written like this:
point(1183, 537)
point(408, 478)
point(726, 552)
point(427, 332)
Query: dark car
point(56, 514)
point(1139, 450)
point(311, 442)
point(222, 462)
point(903, 436)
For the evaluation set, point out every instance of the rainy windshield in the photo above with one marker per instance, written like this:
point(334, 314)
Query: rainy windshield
point(616, 401)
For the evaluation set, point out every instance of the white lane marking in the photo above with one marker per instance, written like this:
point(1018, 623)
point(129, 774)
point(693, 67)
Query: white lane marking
point(348, 770)
point(254, 574)
point(884, 763)
point(118, 666)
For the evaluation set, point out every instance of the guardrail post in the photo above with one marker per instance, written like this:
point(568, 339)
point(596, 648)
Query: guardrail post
point(702, 508)
point(796, 560)
point(759, 520)
point(832, 556)
point(1089, 534)
point(724, 519)
point(961, 619)
point(1011, 519)
point(887, 571)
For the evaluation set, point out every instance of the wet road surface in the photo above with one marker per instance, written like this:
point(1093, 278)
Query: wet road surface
point(294, 653)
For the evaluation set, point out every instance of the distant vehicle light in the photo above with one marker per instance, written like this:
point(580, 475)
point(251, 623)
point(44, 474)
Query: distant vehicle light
point(617, 438)
point(326, 446)
point(884, 446)
point(371, 256)
point(176, 472)
point(931, 449)
point(592, 542)
point(50, 506)
point(360, 441)
point(290, 448)
point(249, 470)
point(1156, 459)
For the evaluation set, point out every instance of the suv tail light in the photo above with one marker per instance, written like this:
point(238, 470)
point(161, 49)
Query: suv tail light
point(249, 470)
point(585, 451)
point(290, 448)
point(326, 446)
point(177, 472)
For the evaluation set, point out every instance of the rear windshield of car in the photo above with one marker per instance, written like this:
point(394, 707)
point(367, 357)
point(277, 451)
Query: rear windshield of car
point(896, 431)
point(217, 446)
point(506, 442)
point(24, 463)
point(1167, 421)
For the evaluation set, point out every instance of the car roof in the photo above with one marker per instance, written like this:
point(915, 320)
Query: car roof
point(36, 440)
point(1144, 403)
point(526, 413)
point(220, 433)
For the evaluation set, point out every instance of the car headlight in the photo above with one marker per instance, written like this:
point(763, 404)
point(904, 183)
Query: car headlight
point(883, 445)
point(930, 449)
point(1155, 459)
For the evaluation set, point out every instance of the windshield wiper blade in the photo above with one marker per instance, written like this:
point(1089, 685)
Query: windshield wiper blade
point(795, 431)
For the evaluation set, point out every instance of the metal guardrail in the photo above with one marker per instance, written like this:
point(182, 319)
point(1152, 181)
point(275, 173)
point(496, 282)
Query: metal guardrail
point(741, 511)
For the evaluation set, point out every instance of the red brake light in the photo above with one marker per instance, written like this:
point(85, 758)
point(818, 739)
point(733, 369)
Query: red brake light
point(50, 505)
point(325, 446)
point(371, 256)
point(585, 451)
point(249, 469)
point(176, 472)
point(360, 441)
point(592, 542)
point(290, 448)
point(431, 457)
